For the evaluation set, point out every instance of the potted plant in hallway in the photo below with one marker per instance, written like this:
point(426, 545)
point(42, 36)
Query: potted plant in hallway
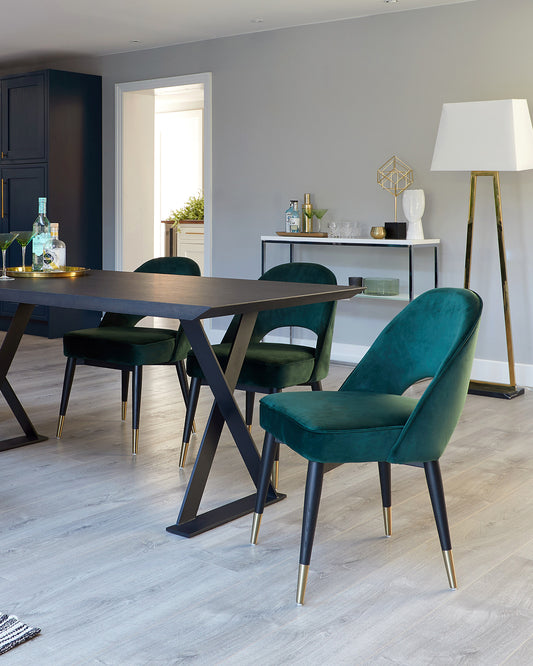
point(192, 209)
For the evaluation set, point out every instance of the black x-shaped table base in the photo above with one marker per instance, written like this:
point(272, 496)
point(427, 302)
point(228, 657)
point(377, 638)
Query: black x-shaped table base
point(224, 410)
point(7, 352)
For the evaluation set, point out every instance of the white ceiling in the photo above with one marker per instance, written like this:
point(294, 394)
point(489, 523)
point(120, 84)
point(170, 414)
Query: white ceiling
point(32, 29)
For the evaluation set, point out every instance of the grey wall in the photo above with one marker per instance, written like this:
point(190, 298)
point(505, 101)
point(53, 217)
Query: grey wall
point(319, 108)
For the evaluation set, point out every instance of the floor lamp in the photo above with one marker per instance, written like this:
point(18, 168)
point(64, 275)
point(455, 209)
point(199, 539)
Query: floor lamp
point(486, 138)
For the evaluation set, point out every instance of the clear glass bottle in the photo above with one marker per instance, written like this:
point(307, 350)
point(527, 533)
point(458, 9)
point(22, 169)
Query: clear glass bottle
point(55, 251)
point(289, 213)
point(294, 218)
point(41, 226)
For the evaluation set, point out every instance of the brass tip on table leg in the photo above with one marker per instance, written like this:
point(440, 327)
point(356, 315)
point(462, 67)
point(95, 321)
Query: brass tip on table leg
point(124, 410)
point(249, 428)
point(255, 527)
point(275, 474)
point(134, 441)
point(303, 570)
point(183, 453)
point(59, 430)
point(450, 568)
point(387, 520)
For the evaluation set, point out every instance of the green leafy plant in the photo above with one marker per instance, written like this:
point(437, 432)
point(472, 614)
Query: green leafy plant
point(192, 209)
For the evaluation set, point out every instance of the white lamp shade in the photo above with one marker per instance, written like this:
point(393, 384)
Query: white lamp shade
point(484, 136)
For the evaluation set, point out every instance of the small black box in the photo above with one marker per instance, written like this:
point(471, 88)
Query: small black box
point(396, 230)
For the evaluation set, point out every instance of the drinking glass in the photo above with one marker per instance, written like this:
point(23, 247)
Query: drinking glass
point(5, 241)
point(23, 239)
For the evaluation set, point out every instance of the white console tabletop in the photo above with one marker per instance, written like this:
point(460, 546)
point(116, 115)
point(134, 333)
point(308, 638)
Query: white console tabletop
point(409, 245)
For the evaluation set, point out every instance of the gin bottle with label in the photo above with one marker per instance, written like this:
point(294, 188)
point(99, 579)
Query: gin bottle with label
point(55, 251)
point(292, 217)
point(41, 227)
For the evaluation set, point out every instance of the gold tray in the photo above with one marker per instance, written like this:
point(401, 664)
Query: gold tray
point(70, 271)
point(309, 234)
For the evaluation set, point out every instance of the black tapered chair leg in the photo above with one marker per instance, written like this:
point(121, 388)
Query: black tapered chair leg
point(184, 386)
point(124, 394)
point(136, 388)
point(70, 369)
point(313, 490)
point(316, 386)
point(265, 469)
point(249, 409)
point(436, 493)
point(194, 393)
point(386, 495)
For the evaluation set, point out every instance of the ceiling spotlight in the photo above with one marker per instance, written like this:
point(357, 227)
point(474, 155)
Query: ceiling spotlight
point(391, 2)
point(257, 19)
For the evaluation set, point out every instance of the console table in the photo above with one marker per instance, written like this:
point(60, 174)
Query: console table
point(408, 245)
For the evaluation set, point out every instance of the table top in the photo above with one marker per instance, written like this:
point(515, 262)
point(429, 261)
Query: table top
point(173, 296)
point(397, 242)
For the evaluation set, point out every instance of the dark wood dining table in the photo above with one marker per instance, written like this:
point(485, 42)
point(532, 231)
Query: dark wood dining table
point(191, 300)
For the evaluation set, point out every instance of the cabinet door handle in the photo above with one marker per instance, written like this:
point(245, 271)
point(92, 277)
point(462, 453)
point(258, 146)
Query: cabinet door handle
point(4, 155)
point(2, 198)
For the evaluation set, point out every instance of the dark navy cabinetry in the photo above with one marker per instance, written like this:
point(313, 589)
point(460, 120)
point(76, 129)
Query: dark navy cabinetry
point(50, 145)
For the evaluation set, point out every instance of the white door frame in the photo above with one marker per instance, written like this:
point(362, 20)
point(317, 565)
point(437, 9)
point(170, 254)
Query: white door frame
point(133, 86)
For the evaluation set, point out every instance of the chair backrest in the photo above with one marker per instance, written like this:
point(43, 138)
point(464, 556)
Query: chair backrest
point(318, 318)
point(433, 337)
point(168, 265)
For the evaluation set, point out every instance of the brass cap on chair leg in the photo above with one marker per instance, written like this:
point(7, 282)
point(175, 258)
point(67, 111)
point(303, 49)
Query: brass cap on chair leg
point(450, 568)
point(193, 426)
point(256, 523)
point(183, 453)
point(124, 410)
point(134, 441)
point(59, 430)
point(303, 570)
point(275, 474)
point(249, 426)
point(387, 520)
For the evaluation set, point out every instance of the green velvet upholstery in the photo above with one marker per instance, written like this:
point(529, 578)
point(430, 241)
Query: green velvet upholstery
point(117, 340)
point(433, 337)
point(118, 343)
point(270, 367)
point(279, 366)
point(370, 419)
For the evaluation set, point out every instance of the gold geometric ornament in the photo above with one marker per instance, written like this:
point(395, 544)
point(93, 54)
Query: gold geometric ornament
point(395, 176)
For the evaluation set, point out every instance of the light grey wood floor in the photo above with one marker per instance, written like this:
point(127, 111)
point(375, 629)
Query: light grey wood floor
point(85, 555)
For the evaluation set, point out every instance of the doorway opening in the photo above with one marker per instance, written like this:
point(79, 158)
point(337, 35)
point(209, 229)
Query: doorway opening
point(163, 157)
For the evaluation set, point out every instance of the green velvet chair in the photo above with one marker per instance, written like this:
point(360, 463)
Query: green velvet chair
point(118, 343)
point(270, 367)
point(369, 418)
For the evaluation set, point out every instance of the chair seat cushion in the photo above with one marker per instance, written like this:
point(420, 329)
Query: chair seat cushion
point(337, 426)
point(122, 345)
point(267, 364)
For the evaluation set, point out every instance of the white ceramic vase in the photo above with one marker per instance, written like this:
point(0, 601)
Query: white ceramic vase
point(414, 203)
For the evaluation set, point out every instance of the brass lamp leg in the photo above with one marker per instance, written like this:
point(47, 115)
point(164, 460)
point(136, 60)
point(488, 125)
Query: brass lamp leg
point(450, 568)
point(256, 523)
point(493, 389)
point(303, 570)
point(124, 410)
point(60, 423)
point(134, 441)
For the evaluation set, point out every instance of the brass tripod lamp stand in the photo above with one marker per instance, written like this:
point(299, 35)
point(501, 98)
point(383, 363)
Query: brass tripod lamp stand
point(486, 138)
